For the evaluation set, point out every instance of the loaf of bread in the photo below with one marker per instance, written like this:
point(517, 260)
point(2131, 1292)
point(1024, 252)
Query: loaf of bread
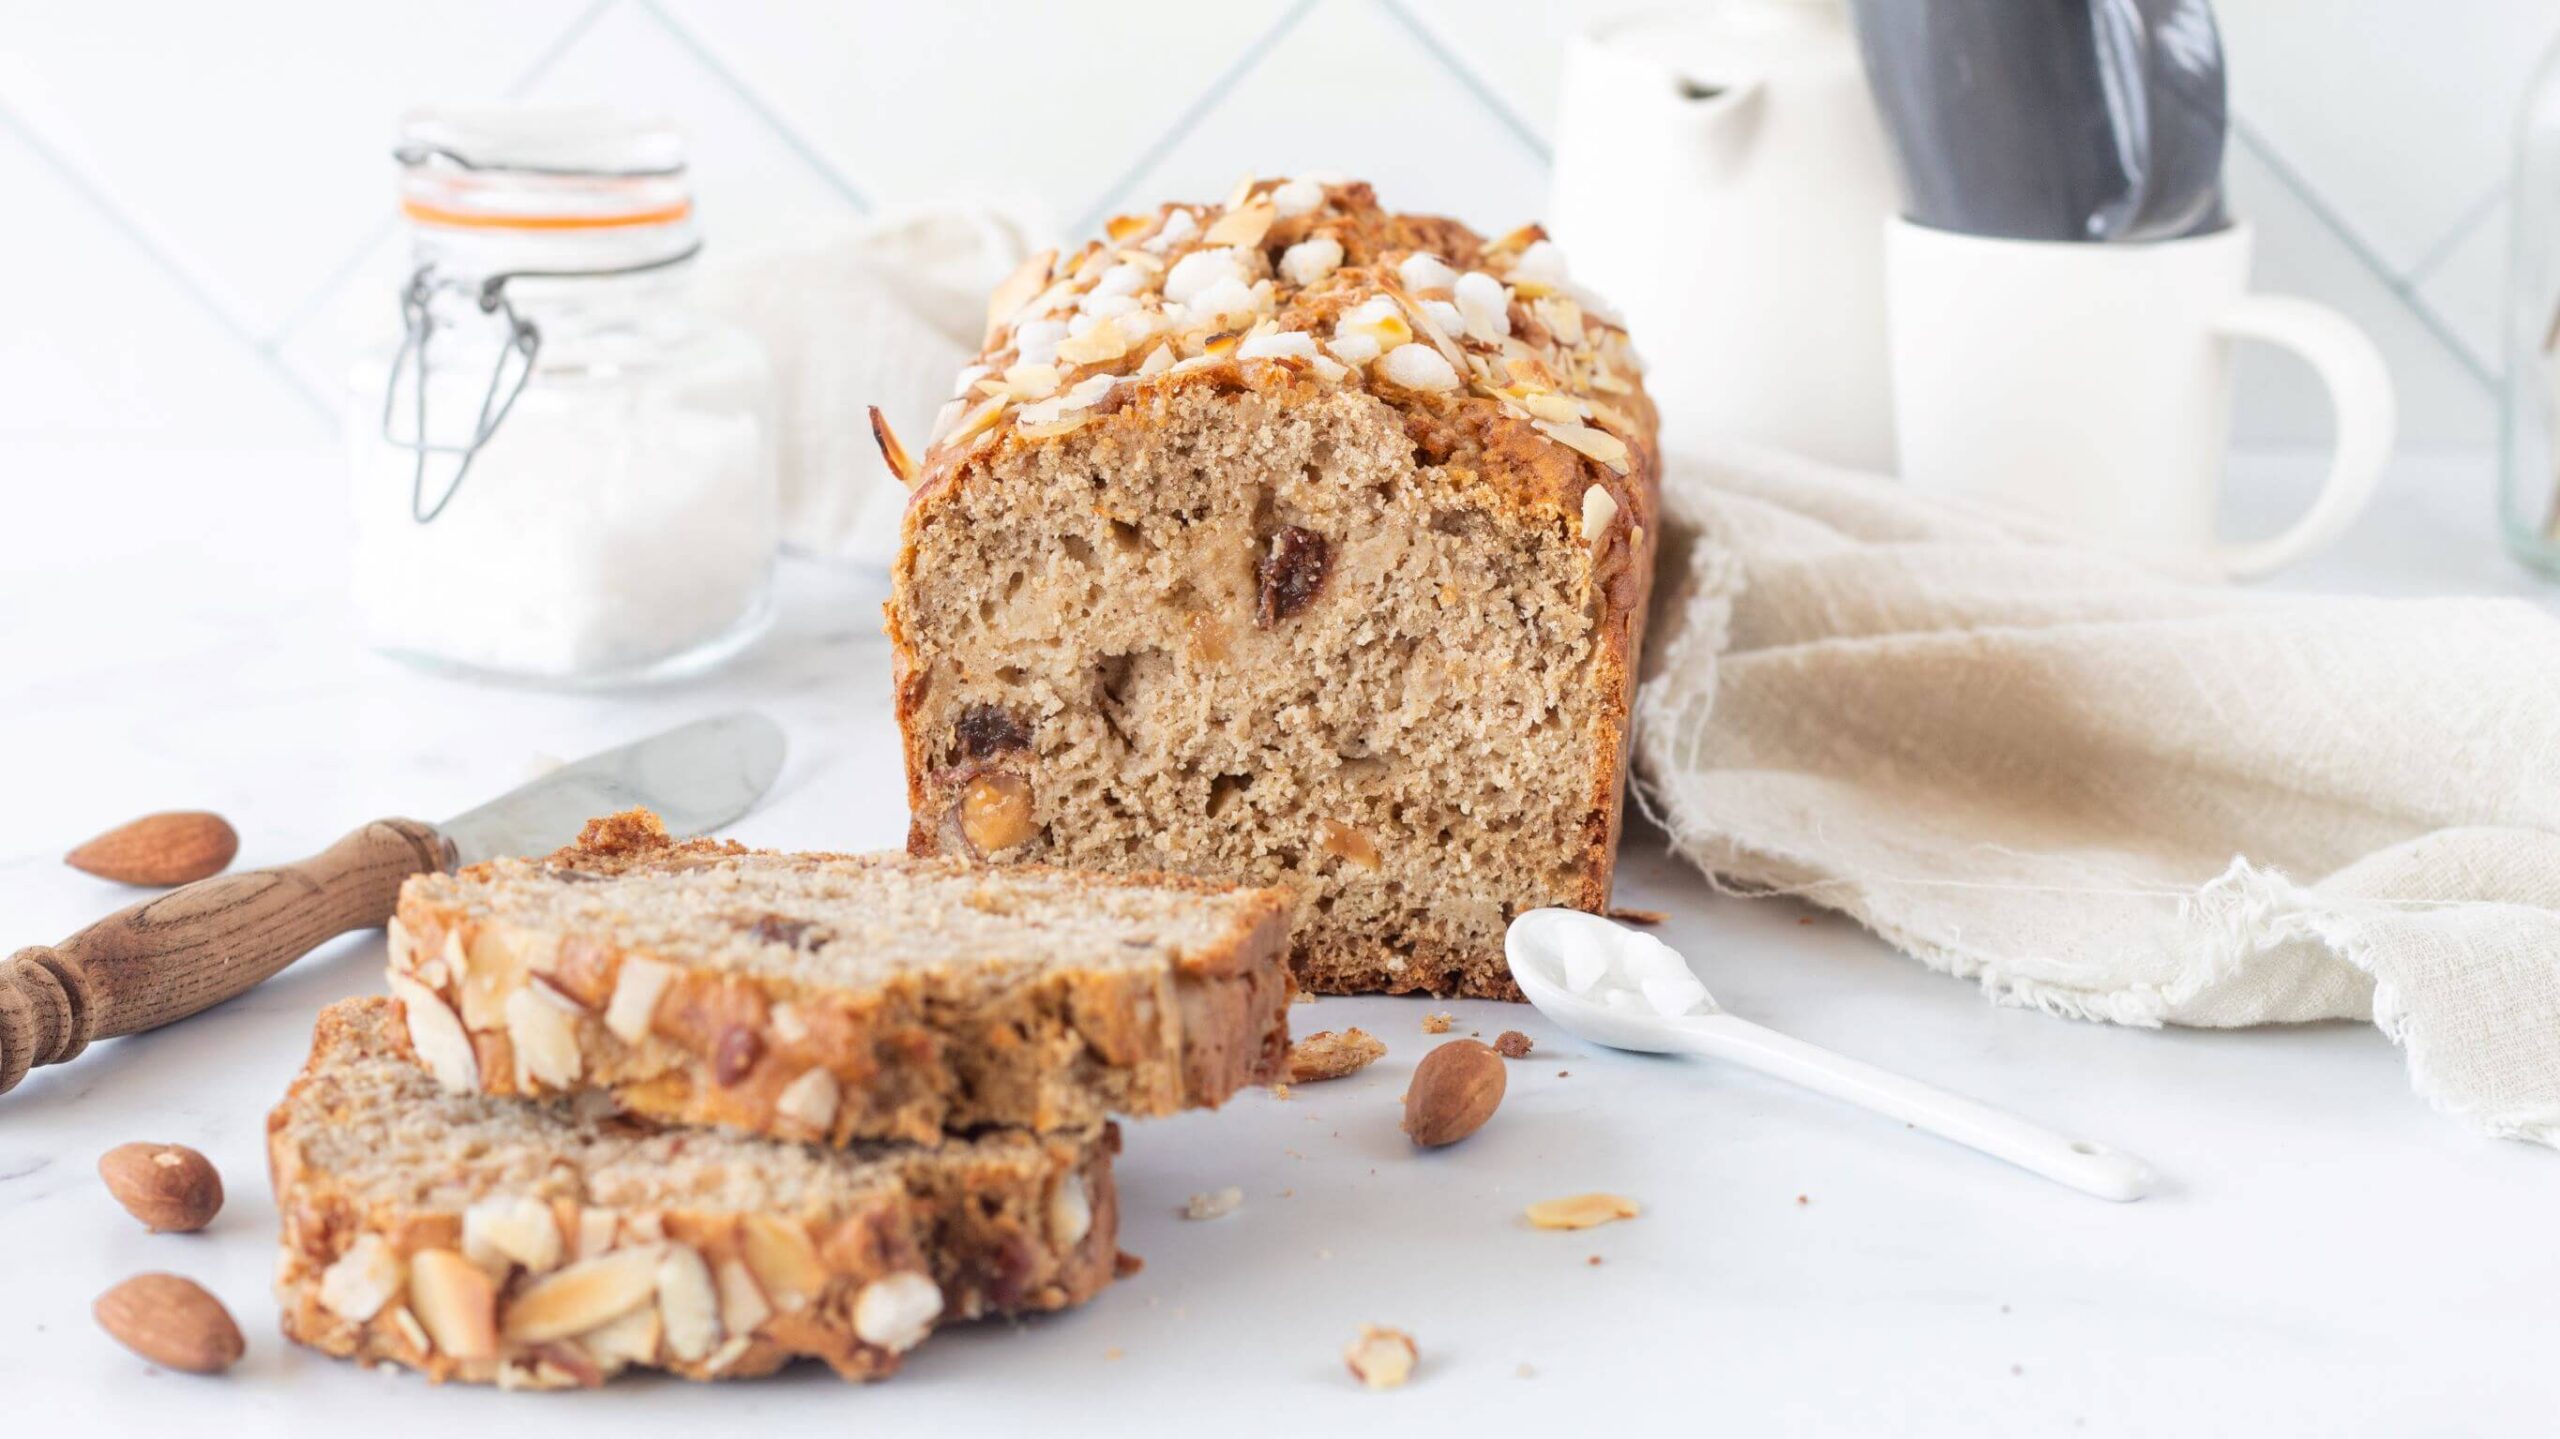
point(1294, 542)
point(839, 997)
point(552, 1245)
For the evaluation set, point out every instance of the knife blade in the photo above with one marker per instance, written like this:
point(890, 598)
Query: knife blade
point(697, 777)
point(183, 952)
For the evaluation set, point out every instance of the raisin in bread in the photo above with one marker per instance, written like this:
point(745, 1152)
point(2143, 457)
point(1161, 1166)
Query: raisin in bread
point(839, 997)
point(552, 1245)
point(1294, 542)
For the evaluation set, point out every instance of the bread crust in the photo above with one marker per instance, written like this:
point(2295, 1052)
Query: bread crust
point(1478, 442)
point(979, 1220)
point(908, 1058)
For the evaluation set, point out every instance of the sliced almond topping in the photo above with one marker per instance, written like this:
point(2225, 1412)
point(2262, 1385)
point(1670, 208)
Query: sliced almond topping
point(1103, 342)
point(978, 421)
point(809, 1102)
point(1033, 382)
point(595, 1231)
point(1546, 405)
point(545, 1039)
point(1016, 291)
point(689, 1302)
point(636, 988)
point(896, 1313)
point(437, 1036)
point(456, 1304)
point(743, 1306)
point(631, 1339)
point(892, 453)
point(1582, 1211)
point(1066, 424)
point(1121, 227)
point(1599, 507)
point(1070, 1212)
point(1600, 445)
point(411, 1330)
point(1158, 360)
point(507, 1230)
point(1417, 313)
point(1243, 226)
point(1561, 316)
point(403, 952)
point(587, 1295)
point(364, 1279)
point(784, 1260)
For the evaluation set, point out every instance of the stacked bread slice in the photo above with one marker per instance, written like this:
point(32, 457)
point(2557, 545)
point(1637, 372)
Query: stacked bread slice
point(705, 1109)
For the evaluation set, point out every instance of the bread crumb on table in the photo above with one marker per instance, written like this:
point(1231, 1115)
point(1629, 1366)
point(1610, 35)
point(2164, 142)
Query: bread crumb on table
point(1438, 1023)
point(1214, 1204)
point(1512, 1044)
point(1326, 1055)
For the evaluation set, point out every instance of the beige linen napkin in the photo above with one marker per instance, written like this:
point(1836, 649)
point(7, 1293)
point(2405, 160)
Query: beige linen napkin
point(877, 312)
point(2113, 794)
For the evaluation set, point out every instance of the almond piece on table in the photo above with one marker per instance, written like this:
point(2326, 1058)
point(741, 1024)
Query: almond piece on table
point(172, 1322)
point(1581, 1211)
point(1381, 1358)
point(175, 847)
point(169, 1187)
point(1455, 1090)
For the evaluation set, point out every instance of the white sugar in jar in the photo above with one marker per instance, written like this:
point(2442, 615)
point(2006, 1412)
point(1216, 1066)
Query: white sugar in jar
point(564, 474)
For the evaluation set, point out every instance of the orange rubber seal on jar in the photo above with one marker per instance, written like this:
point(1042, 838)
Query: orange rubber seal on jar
point(426, 214)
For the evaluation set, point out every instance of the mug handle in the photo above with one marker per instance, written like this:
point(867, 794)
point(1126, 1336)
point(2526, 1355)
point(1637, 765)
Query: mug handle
point(2360, 395)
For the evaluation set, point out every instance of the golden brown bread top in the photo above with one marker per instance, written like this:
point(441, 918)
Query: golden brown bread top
point(1503, 371)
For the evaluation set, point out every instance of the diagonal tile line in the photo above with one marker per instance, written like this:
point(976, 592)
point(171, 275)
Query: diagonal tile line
point(1512, 120)
point(755, 103)
point(1218, 89)
point(382, 228)
point(2434, 324)
point(160, 258)
point(2459, 231)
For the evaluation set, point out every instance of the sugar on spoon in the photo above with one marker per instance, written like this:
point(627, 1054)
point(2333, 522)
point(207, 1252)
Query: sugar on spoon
point(1616, 987)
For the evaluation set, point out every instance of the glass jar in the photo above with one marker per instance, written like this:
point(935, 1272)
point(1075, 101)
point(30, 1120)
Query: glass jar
point(563, 474)
point(2529, 486)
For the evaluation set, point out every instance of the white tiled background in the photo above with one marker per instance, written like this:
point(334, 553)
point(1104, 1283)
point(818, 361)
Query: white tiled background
point(196, 230)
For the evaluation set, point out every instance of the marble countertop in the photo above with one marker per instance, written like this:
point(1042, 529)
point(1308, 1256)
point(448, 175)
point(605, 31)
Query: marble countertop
point(2326, 1255)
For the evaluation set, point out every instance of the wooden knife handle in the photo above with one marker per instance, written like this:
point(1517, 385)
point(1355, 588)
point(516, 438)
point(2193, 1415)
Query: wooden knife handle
point(186, 951)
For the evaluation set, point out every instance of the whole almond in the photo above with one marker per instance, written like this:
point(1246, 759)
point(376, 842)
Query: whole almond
point(172, 1322)
point(167, 1186)
point(1455, 1090)
point(176, 847)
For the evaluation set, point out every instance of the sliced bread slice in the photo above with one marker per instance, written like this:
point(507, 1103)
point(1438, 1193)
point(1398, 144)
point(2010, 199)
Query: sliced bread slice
point(839, 997)
point(554, 1244)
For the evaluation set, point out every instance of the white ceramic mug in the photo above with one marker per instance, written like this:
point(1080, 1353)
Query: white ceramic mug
point(2089, 386)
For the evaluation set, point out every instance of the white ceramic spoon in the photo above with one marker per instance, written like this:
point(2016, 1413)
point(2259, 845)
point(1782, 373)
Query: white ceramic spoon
point(1537, 962)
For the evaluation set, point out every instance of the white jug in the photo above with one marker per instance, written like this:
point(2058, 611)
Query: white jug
point(1721, 178)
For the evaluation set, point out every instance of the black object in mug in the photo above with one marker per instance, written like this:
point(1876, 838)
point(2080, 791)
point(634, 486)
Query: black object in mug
point(2096, 120)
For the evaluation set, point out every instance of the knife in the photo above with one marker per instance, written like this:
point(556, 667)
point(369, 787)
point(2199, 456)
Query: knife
point(186, 951)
